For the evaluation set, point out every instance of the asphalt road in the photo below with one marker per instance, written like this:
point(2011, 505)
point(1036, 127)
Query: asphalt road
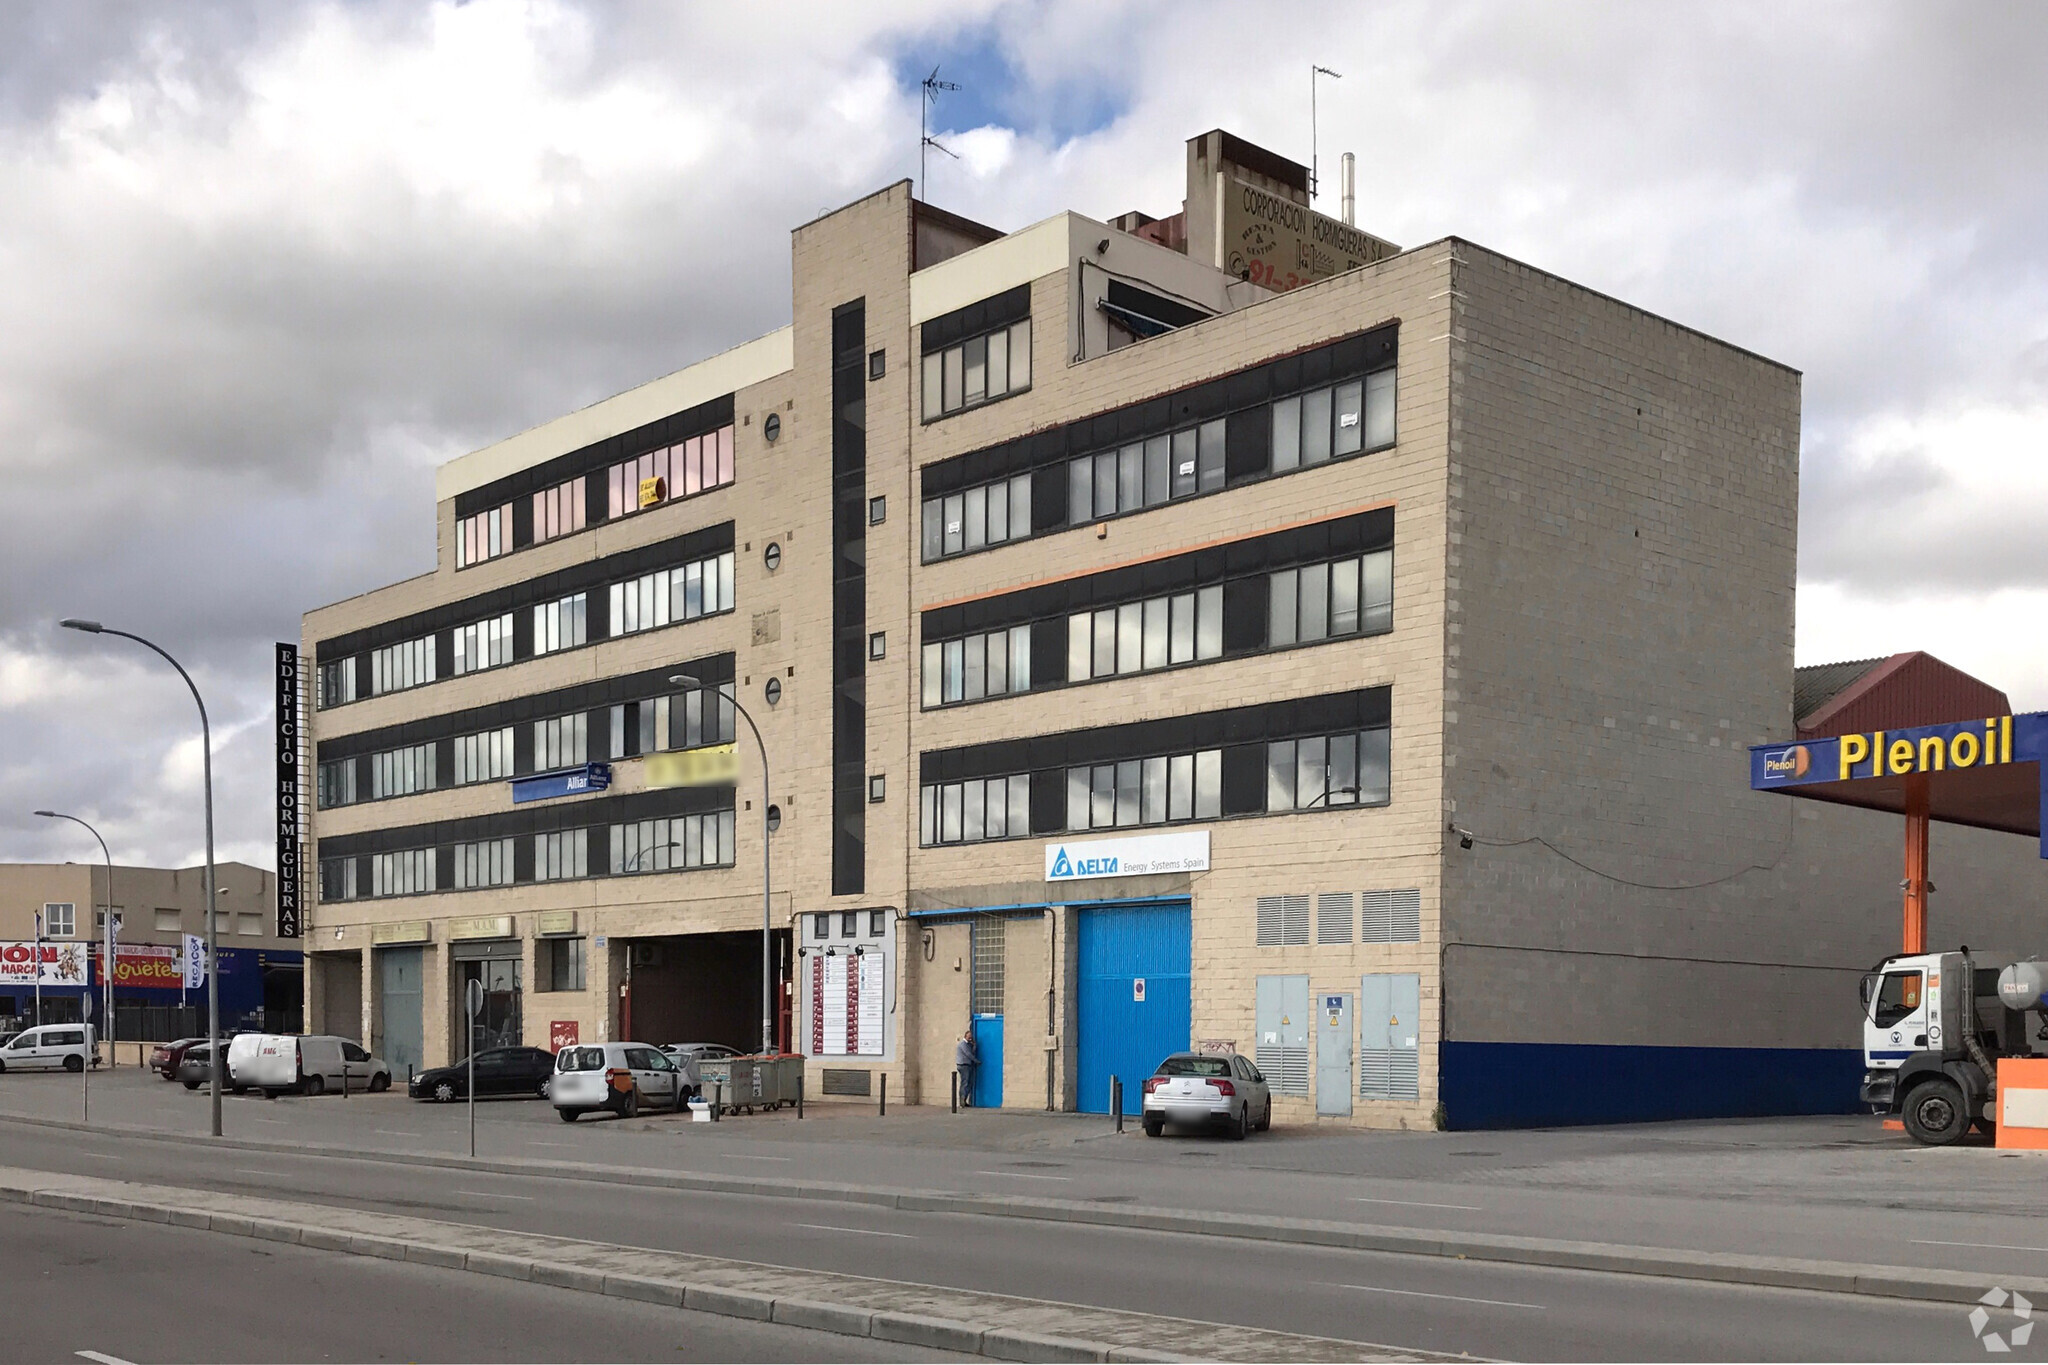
point(142, 1292)
point(1839, 1189)
point(1418, 1302)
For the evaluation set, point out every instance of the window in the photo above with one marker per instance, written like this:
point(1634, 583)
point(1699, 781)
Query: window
point(1145, 473)
point(673, 843)
point(970, 812)
point(1322, 601)
point(483, 757)
point(878, 923)
point(397, 667)
point(821, 926)
point(558, 511)
point(977, 518)
point(988, 665)
point(248, 925)
point(686, 720)
point(1328, 770)
point(559, 625)
point(337, 683)
point(60, 919)
point(487, 862)
point(1326, 424)
point(1138, 637)
point(878, 511)
point(561, 742)
point(558, 964)
point(337, 783)
point(978, 370)
point(686, 469)
point(878, 364)
point(878, 788)
point(485, 535)
point(1146, 791)
point(402, 874)
point(483, 644)
point(685, 593)
point(561, 855)
point(1897, 998)
point(401, 772)
point(878, 645)
point(337, 879)
point(168, 921)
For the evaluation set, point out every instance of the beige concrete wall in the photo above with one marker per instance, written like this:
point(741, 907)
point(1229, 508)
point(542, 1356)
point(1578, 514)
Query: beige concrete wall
point(939, 990)
point(139, 893)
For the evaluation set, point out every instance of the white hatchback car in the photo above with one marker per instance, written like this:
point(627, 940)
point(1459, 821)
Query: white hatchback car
point(70, 1047)
point(619, 1077)
point(1220, 1089)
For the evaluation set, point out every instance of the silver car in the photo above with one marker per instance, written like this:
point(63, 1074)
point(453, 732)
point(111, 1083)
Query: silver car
point(1215, 1089)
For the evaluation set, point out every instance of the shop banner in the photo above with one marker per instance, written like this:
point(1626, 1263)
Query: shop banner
point(195, 962)
point(61, 964)
point(144, 964)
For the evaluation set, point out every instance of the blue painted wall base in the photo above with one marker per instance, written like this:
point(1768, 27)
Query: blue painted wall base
point(1545, 1085)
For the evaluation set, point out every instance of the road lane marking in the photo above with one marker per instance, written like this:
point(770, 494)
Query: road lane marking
point(1418, 1204)
point(393, 1132)
point(482, 1194)
point(1421, 1294)
point(254, 1119)
point(742, 1156)
point(102, 1358)
point(1019, 1175)
point(553, 1144)
point(865, 1232)
point(100, 1156)
point(1982, 1246)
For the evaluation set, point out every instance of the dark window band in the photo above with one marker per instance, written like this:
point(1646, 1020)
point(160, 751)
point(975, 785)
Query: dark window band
point(985, 315)
point(595, 459)
point(570, 813)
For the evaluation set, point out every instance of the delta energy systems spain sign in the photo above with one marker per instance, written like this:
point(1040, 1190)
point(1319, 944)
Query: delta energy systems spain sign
point(1139, 857)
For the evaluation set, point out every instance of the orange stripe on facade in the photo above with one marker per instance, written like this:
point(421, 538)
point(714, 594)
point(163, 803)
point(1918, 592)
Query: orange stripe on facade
point(1150, 559)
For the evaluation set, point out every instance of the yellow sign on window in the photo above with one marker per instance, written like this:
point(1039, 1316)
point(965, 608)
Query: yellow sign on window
point(714, 767)
point(653, 490)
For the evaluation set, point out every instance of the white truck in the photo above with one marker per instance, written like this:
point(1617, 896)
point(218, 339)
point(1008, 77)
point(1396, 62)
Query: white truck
point(1934, 1026)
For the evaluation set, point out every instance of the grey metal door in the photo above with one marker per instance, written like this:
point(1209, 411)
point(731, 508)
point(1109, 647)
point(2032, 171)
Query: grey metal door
point(400, 986)
point(1333, 1054)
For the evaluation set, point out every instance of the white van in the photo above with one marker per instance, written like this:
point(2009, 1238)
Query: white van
point(614, 1076)
point(311, 1064)
point(72, 1047)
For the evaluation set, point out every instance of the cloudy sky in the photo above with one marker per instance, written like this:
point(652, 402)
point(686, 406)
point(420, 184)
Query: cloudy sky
point(264, 264)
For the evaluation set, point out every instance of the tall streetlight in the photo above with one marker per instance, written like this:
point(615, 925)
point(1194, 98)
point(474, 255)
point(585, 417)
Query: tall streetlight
point(767, 917)
point(206, 751)
point(108, 980)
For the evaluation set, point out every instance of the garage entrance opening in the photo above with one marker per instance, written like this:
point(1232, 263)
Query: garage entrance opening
point(699, 988)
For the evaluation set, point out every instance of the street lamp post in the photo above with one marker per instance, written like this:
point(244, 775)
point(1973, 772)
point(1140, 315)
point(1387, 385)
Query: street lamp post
point(767, 917)
point(108, 976)
point(206, 753)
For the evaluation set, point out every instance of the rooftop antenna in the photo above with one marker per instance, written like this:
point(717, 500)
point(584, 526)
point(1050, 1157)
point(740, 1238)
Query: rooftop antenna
point(932, 86)
point(1313, 72)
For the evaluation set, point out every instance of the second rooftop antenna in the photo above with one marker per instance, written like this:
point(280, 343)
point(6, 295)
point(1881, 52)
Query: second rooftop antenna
point(1314, 72)
point(932, 86)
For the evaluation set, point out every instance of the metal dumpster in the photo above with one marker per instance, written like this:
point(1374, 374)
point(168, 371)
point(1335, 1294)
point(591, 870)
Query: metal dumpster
point(744, 1084)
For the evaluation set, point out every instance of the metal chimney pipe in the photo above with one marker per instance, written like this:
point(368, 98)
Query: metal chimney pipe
point(1347, 180)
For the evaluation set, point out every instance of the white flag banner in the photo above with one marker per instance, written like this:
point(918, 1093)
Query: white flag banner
point(195, 962)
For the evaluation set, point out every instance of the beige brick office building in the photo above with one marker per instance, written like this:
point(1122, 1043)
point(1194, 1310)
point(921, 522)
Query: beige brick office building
point(1130, 612)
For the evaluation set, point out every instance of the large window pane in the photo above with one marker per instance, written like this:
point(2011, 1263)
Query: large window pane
point(1081, 490)
point(931, 394)
point(956, 669)
point(1130, 478)
point(974, 681)
point(1081, 646)
point(1130, 637)
point(996, 822)
point(1181, 631)
point(1209, 784)
point(949, 813)
point(1379, 409)
point(927, 816)
point(1280, 775)
point(1130, 787)
point(975, 361)
point(1281, 611)
point(998, 364)
point(1309, 757)
point(1078, 798)
point(1020, 805)
point(1209, 623)
point(1020, 658)
point(1350, 415)
point(998, 654)
point(953, 378)
point(998, 513)
point(956, 524)
point(934, 540)
point(1105, 484)
point(976, 510)
point(1343, 770)
point(1105, 643)
point(1372, 767)
point(1155, 632)
point(972, 797)
point(1344, 597)
point(1158, 470)
point(1020, 506)
point(1315, 427)
point(1376, 595)
point(1211, 457)
point(1152, 804)
point(1180, 787)
point(1315, 602)
point(1102, 796)
point(1020, 355)
point(1286, 434)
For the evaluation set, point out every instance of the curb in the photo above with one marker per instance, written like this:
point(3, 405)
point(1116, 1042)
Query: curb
point(909, 1329)
point(1770, 1272)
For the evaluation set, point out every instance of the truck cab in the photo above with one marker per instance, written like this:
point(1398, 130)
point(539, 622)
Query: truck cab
point(1933, 1027)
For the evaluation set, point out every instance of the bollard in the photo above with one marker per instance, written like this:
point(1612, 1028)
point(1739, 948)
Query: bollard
point(1116, 1101)
point(799, 1095)
point(956, 1090)
point(717, 1099)
point(885, 1095)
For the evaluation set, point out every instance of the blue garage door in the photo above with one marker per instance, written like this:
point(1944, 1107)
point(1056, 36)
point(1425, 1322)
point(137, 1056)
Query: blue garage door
point(1135, 1004)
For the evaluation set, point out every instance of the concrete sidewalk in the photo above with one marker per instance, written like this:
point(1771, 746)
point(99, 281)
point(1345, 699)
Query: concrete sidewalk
point(997, 1326)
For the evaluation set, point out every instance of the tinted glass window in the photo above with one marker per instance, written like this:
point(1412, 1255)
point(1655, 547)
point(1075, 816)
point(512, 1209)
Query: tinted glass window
point(1898, 998)
point(1194, 1066)
point(581, 1059)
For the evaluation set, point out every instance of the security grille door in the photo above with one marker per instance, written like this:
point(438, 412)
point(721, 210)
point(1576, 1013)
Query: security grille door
point(1334, 917)
point(1333, 1054)
point(1283, 921)
point(1282, 1023)
point(1389, 1010)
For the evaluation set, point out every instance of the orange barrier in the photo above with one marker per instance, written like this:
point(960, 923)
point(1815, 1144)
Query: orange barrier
point(2023, 1103)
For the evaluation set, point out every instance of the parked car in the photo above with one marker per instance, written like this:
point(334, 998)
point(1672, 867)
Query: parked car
point(522, 1071)
point(310, 1064)
point(195, 1068)
point(619, 1077)
point(1209, 1088)
point(164, 1057)
point(688, 1057)
point(70, 1047)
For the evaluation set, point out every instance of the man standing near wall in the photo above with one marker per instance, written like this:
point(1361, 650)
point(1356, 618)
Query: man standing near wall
point(964, 1061)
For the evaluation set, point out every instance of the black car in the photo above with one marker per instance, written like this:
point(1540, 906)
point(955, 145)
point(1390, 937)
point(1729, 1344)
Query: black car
point(523, 1071)
point(195, 1068)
